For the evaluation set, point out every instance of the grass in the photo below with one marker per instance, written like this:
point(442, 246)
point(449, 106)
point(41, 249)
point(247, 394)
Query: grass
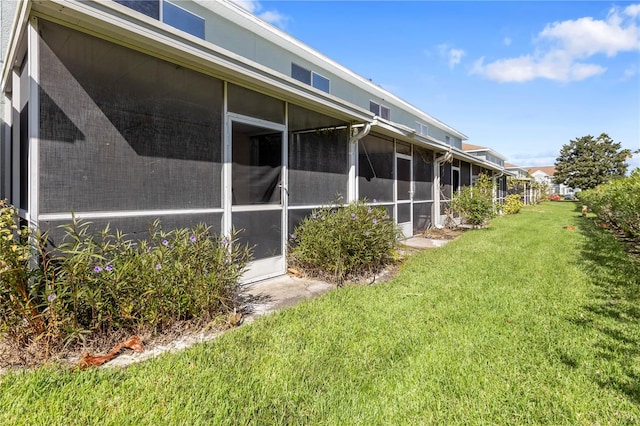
point(524, 322)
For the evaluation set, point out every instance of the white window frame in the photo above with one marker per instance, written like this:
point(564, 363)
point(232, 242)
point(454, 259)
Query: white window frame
point(380, 108)
point(422, 128)
point(315, 74)
point(312, 77)
point(174, 4)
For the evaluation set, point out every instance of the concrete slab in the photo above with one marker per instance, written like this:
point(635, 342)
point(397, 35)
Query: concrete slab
point(270, 295)
point(420, 243)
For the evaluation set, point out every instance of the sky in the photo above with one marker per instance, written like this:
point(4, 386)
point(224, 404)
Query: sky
point(522, 78)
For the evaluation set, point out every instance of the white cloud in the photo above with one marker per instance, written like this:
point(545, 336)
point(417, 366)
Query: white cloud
point(630, 72)
point(453, 56)
point(274, 17)
point(249, 5)
point(254, 6)
point(563, 47)
point(507, 41)
point(632, 10)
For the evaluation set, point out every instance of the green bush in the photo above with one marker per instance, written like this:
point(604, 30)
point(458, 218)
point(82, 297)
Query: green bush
point(512, 204)
point(340, 242)
point(475, 203)
point(106, 282)
point(20, 301)
point(617, 203)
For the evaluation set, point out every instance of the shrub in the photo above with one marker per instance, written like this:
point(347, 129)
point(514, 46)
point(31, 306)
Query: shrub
point(20, 298)
point(475, 203)
point(512, 204)
point(105, 282)
point(617, 203)
point(339, 242)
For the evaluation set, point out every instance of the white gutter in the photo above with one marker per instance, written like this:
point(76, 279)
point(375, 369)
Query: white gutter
point(446, 157)
point(367, 128)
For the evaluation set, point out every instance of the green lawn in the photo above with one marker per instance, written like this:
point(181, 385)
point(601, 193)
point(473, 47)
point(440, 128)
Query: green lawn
point(524, 322)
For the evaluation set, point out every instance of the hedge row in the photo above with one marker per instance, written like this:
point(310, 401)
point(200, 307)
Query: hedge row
point(617, 203)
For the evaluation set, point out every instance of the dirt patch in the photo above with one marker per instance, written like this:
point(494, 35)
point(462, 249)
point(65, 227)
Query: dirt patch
point(443, 233)
point(179, 336)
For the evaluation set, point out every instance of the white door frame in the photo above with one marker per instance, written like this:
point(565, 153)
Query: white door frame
point(271, 266)
point(405, 227)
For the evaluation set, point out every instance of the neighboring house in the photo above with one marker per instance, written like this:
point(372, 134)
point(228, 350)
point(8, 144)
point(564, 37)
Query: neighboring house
point(122, 112)
point(522, 180)
point(495, 158)
point(544, 175)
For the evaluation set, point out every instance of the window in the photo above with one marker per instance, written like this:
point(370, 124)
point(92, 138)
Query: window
point(447, 139)
point(381, 111)
point(422, 129)
point(182, 19)
point(309, 77)
point(150, 8)
point(320, 82)
point(300, 73)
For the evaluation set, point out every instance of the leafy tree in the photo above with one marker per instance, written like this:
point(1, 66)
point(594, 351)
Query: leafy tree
point(587, 162)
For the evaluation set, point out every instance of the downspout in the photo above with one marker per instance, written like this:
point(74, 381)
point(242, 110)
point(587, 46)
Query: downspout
point(353, 148)
point(367, 128)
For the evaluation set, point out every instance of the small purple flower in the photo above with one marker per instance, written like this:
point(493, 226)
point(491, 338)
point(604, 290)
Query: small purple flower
point(313, 216)
point(224, 240)
point(353, 216)
point(193, 239)
point(366, 233)
point(165, 242)
point(51, 297)
point(109, 268)
point(375, 220)
point(374, 200)
point(158, 266)
point(97, 269)
point(369, 210)
point(293, 236)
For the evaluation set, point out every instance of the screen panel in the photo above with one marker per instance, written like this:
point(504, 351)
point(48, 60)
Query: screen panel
point(375, 168)
point(422, 217)
point(136, 228)
point(121, 130)
point(261, 230)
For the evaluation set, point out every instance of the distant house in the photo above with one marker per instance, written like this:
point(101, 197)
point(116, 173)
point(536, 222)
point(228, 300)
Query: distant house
point(122, 112)
point(545, 175)
point(494, 157)
point(523, 182)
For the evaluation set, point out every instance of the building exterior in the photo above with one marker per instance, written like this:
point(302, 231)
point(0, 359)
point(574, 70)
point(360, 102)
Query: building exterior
point(544, 175)
point(122, 112)
point(493, 157)
point(521, 183)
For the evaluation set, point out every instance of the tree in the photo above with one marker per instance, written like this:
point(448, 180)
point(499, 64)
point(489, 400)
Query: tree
point(587, 162)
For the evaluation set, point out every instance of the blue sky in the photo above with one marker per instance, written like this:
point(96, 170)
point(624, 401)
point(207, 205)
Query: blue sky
point(523, 78)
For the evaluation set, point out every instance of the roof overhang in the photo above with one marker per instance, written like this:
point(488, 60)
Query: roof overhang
point(487, 151)
point(16, 46)
point(235, 13)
